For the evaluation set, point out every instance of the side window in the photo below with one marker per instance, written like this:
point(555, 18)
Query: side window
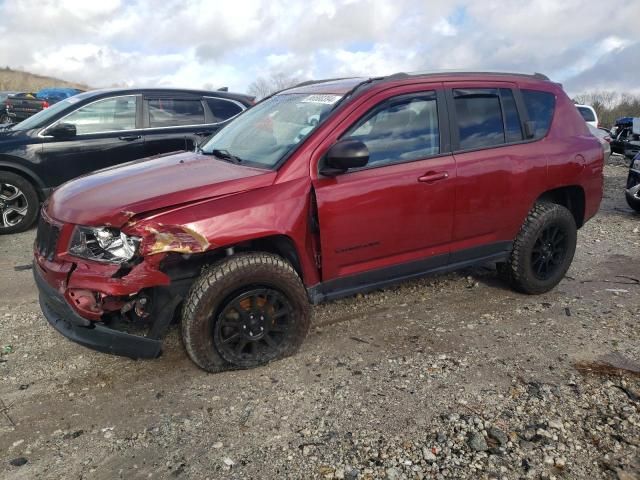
point(540, 106)
point(400, 130)
point(111, 114)
point(171, 112)
point(587, 114)
point(222, 109)
point(479, 118)
point(513, 127)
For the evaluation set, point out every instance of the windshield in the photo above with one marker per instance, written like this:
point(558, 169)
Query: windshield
point(41, 118)
point(264, 134)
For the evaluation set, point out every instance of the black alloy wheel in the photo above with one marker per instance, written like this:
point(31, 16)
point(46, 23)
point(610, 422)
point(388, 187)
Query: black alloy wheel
point(549, 251)
point(253, 326)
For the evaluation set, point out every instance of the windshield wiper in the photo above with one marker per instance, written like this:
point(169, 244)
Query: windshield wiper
point(225, 155)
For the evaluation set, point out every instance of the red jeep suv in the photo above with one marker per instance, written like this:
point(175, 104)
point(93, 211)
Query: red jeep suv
point(319, 191)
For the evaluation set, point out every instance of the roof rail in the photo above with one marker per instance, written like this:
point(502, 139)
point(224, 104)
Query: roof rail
point(313, 82)
point(400, 75)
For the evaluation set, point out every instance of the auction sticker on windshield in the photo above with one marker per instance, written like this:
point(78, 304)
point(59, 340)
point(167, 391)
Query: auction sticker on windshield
point(326, 99)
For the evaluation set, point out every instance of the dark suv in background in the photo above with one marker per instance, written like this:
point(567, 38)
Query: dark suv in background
point(99, 129)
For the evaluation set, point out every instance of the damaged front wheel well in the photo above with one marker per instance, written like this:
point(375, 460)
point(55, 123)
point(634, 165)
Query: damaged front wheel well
point(182, 266)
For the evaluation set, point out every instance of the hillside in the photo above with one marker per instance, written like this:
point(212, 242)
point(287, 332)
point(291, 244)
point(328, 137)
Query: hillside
point(29, 82)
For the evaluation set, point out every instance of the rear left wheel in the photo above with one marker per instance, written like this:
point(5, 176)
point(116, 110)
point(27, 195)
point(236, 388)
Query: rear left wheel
point(245, 311)
point(543, 250)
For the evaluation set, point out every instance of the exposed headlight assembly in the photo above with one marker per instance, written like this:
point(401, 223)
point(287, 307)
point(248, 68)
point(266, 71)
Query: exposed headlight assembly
point(635, 165)
point(103, 244)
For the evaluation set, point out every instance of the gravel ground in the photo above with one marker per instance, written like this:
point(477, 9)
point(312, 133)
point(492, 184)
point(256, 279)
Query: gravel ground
point(454, 376)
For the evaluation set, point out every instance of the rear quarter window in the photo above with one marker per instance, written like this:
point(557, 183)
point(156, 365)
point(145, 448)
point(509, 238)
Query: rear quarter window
point(222, 109)
point(540, 107)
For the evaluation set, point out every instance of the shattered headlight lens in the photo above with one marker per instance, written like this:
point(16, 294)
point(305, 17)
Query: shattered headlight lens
point(103, 244)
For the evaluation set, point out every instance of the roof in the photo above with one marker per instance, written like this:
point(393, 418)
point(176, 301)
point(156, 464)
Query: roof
point(167, 91)
point(342, 86)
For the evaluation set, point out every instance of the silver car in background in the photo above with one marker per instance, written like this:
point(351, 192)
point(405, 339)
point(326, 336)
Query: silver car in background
point(604, 138)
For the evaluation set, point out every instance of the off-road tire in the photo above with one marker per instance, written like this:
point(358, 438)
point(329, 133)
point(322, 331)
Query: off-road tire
point(519, 268)
point(220, 282)
point(33, 202)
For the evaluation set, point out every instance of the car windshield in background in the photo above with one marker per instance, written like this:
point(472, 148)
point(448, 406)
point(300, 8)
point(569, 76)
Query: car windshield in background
point(263, 135)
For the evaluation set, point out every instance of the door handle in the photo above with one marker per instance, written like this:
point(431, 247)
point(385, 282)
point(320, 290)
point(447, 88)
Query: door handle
point(431, 177)
point(203, 134)
point(130, 138)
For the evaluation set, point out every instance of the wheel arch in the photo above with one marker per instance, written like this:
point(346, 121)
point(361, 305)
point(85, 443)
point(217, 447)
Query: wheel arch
point(178, 265)
point(27, 174)
point(572, 197)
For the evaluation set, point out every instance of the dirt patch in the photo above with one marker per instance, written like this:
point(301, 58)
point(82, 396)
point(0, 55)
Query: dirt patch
point(454, 376)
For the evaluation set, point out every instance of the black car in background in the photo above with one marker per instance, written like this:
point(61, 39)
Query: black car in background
point(632, 192)
point(99, 129)
point(623, 140)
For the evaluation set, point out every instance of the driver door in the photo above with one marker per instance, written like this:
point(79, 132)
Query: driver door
point(393, 218)
point(107, 134)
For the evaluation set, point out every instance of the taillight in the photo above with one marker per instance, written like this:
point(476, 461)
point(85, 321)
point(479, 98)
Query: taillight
point(45, 104)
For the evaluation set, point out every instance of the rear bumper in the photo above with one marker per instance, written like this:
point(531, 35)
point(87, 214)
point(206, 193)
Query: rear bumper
point(93, 335)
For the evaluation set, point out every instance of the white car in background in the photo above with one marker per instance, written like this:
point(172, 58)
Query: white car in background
point(589, 114)
point(604, 138)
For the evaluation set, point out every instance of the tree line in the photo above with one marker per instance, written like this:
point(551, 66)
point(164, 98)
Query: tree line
point(611, 105)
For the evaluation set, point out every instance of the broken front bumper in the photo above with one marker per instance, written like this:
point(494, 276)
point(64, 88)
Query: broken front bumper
point(87, 333)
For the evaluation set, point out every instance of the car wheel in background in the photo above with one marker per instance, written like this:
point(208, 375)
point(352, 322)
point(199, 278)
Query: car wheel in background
point(633, 197)
point(18, 203)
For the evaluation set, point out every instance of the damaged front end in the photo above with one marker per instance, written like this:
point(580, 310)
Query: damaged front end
point(116, 291)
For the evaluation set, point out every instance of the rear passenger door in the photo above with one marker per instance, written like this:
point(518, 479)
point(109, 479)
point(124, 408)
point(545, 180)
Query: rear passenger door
point(173, 123)
point(495, 167)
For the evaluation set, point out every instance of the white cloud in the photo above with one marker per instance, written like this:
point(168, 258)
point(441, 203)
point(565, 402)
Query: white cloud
point(196, 42)
point(444, 27)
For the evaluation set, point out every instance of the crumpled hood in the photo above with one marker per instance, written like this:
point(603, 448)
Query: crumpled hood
point(112, 196)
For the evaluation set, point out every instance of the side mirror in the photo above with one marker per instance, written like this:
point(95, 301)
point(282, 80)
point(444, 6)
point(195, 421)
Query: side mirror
point(530, 129)
point(62, 130)
point(343, 155)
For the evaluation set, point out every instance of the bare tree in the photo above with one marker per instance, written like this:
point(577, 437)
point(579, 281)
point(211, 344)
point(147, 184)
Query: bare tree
point(611, 105)
point(261, 86)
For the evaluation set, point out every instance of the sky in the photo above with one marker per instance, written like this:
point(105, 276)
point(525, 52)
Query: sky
point(586, 45)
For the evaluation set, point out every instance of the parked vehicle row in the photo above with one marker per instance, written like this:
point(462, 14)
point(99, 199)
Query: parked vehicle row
point(320, 191)
point(624, 140)
point(99, 129)
point(17, 106)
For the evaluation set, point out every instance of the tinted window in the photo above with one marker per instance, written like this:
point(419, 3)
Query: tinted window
point(587, 114)
point(169, 112)
point(401, 130)
point(222, 109)
point(107, 115)
point(479, 118)
point(540, 106)
point(513, 128)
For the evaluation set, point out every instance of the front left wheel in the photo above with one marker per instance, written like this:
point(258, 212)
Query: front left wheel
point(245, 311)
point(19, 203)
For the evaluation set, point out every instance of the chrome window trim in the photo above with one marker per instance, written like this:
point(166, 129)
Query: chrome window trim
point(135, 96)
point(240, 104)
